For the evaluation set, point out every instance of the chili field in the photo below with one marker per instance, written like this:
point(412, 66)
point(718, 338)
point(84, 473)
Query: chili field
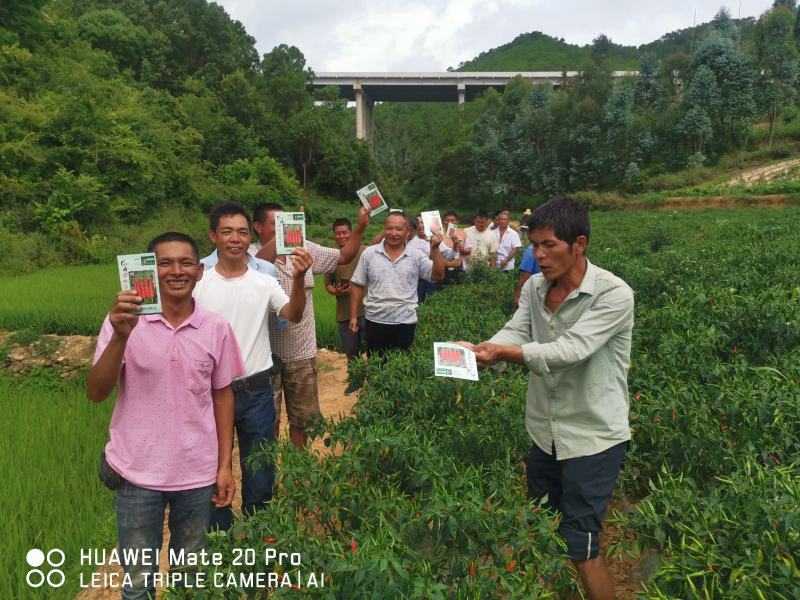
point(424, 496)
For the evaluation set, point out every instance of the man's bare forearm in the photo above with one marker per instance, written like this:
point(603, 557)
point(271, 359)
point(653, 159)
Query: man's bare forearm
point(293, 311)
point(437, 272)
point(356, 294)
point(223, 417)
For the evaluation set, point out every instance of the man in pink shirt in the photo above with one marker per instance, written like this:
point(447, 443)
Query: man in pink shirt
point(172, 427)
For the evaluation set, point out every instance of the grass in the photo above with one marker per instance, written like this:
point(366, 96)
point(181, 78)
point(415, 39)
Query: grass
point(63, 300)
point(74, 300)
point(52, 437)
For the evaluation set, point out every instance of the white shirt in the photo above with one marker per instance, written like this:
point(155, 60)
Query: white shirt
point(418, 244)
point(245, 302)
point(505, 245)
point(484, 243)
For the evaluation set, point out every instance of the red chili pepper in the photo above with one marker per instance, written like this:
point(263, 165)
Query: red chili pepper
point(510, 567)
point(472, 569)
point(353, 545)
point(270, 540)
point(733, 349)
point(555, 523)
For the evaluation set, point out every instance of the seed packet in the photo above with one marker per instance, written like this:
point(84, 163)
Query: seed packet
point(432, 223)
point(290, 231)
point(452, 360)
point(451, 229)
point(371, 198)
point(138, 272)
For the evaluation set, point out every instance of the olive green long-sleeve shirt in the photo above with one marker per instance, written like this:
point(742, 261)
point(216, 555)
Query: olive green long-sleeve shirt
point(578, 358)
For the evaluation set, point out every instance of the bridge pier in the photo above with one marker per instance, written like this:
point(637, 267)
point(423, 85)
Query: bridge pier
point(364, 108)
point(462, 94)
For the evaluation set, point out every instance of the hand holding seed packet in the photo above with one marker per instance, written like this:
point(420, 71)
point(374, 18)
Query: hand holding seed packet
point(290, 232)
point(432, 223)
point(372, 200)
point(452, 360)
point(138, 273)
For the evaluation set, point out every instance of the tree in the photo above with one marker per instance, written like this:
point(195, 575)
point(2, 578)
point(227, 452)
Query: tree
point(601, 48)
point(778, 63)
point(734, 75)
point(286, 80)
point(648, 89)
point(306, 129)
point(24, 18)
point(112, 31)
point(696, 126)
point(723, 24)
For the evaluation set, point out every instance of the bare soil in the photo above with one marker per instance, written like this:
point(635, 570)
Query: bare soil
point(767, 173)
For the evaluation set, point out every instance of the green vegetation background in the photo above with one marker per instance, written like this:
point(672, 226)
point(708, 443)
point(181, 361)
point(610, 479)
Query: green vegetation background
point(119, 116)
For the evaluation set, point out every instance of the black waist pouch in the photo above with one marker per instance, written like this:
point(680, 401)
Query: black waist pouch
point(108, 476)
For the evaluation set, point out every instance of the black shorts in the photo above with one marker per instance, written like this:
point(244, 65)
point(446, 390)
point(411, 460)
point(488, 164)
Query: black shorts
point(580, 488)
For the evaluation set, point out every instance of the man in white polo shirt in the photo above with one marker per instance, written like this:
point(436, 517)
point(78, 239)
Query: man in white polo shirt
point(245, 298)
point(508, 243)
point(390, 273)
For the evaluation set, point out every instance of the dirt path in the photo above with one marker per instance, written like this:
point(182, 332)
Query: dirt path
point(767, 173)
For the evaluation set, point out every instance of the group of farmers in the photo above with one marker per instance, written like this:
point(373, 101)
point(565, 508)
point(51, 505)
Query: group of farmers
point(236, 341)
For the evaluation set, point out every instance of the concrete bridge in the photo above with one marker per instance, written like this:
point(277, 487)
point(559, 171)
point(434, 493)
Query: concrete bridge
point(450, 86)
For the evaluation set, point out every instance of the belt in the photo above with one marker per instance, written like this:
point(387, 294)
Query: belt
point(256, 381)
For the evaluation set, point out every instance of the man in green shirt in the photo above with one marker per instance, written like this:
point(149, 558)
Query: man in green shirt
point(573, 332)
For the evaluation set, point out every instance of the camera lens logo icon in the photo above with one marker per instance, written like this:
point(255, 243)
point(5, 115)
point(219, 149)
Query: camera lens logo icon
point(36, 577)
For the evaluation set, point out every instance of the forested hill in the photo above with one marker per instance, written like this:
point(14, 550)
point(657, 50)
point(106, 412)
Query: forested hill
point(119, 117)
point(115, 113)
point(536, 51)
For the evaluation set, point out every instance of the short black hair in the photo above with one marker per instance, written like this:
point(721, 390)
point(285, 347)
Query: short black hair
point(260, 211)
point(481, 214)
point(175, 236)
point(342, 221)
point(497, 213)
point(412, 222)
point(568, 218)
point(225, 209)
point(450, 213)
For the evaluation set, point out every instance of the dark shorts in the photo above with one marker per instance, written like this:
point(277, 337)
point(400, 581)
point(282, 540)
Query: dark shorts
point(580, 488)
point(382, 337)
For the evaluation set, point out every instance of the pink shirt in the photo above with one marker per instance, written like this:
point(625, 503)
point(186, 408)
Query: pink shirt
point(163, 433)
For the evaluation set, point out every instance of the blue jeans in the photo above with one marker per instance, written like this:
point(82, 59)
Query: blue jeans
point(140, 521)
point(255, 423)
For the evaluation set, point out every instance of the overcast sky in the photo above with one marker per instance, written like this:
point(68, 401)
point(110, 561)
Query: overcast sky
point(431, 35)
